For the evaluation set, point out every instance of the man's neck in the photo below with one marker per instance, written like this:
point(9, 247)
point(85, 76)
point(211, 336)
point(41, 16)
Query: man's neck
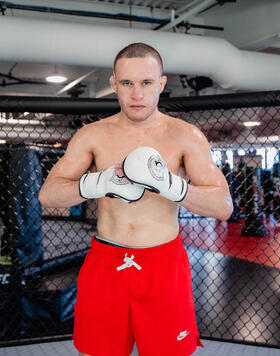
point(152, 121)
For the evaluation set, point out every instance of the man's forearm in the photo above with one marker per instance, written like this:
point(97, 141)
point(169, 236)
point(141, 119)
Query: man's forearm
point(208, 201)
point(60, 193)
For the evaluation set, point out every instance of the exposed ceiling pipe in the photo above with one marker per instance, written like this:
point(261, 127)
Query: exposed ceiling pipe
point(105, 15)
point(187, 6)
point(194, 8)
point(186, 15)
point(41, 41)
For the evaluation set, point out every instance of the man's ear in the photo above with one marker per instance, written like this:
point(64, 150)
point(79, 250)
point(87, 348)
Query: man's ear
point(113, 83)
point(163, 81)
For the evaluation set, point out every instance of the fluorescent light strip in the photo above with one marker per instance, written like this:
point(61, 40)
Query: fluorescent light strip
point(251, 123)
point(19, 122)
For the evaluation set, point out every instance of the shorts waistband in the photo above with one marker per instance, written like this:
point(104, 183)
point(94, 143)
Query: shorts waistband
point(165, 249)
point(111, 243)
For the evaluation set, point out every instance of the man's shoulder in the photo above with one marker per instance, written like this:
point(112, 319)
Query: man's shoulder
point(186, 133)
point(97, 126)
point(179, 125)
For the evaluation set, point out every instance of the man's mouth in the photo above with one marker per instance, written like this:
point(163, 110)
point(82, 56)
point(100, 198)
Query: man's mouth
point(137, 107)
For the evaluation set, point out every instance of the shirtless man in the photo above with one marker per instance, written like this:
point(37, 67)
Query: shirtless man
point(135, 283)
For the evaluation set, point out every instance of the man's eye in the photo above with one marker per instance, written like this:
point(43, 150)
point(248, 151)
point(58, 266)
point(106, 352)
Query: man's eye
point(147, 82)
point(126, 84)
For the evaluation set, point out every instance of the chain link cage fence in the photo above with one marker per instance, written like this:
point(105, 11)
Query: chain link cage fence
point(235, 264)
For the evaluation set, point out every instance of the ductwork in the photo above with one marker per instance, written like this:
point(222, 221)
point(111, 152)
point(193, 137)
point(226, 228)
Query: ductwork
point(41, 41)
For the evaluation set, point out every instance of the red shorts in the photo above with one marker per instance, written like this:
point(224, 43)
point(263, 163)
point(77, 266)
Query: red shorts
point(148, 299)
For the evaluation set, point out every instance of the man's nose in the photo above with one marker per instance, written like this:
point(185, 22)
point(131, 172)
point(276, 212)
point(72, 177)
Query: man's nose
point(137, 92)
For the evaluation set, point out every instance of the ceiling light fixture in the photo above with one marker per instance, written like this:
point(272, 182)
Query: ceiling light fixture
point(251, 123)
point(56, 79)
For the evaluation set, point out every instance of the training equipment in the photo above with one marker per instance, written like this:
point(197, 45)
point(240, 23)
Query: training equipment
point(109, 184)
point(276, 190)
point(254, 225)
point(146, 167)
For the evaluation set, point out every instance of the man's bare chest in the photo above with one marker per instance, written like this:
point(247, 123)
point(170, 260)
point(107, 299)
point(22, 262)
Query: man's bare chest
point(113, 148)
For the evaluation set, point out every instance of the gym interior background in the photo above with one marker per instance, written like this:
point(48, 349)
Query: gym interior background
point(235, 264)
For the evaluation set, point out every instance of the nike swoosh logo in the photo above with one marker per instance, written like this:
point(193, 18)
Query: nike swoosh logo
point(182, 335)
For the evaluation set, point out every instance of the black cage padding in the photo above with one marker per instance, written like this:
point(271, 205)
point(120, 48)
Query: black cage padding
point(110, 106)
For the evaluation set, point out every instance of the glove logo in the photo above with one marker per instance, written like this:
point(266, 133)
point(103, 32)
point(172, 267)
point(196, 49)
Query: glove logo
point(156, 167)
point(118, 180)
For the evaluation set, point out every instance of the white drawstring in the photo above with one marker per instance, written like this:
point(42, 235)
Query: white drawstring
point(128, 263)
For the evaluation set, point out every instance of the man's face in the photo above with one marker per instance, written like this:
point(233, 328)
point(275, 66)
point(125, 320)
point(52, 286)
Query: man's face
point(138, 83)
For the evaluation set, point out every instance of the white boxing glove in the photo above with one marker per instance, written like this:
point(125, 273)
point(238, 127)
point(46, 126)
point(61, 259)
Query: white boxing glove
point(108, 184)
point(146, 167)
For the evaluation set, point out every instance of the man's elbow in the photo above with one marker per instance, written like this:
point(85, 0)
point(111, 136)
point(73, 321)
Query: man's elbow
point(227, 209)
point(43, 199)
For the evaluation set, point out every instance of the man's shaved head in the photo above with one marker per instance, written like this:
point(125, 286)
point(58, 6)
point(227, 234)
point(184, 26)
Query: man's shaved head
point(139, 50)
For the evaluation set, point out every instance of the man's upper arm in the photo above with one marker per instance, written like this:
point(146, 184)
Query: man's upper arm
point(77, 158)
point(198, 162)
